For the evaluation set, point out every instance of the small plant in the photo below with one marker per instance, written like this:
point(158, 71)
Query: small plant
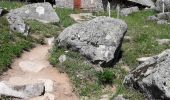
point(106, 77)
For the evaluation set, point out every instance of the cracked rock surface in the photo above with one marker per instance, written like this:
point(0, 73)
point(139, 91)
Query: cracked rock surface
point(152, 77)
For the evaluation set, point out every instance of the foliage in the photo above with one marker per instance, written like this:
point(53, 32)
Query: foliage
point(106, 77)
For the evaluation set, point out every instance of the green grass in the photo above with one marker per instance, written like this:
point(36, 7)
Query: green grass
point(65, 19)
point(144, 34)
point(10, 5)
point(12, 44)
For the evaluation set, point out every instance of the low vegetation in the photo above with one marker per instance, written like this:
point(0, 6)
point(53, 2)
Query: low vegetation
point(87, 80)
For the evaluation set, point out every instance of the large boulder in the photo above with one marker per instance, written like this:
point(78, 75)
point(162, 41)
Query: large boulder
point(99, 39)
point(159, 4)
point(152, 77)
point(147, 3)
point(42, 12)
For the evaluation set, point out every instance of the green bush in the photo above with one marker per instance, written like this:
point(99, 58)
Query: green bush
point(106, 77)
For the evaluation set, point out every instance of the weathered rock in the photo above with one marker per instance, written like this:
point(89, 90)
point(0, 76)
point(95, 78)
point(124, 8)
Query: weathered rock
point(62, 58)
point(99, 40)
point(163, 16)
point(127, 11)
point(153, 18)
point(24, 91)
point(160, 22)
point(163, 41)
point(42, 12)
point(152, 77)
point(30, 66)
point(17, 25)
point(148, 3)
point(159, 4)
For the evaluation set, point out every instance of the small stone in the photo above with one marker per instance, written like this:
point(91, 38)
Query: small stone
point(143, 59)
point(30, 66)
point(163, 41)
point(49, 41)
point(105, 97)
point(119, 97)
point(62, 58)
point(127, 38)
point(160, 22)
point(152, 18)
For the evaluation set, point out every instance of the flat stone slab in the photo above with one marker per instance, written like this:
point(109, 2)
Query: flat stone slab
point(29, 66)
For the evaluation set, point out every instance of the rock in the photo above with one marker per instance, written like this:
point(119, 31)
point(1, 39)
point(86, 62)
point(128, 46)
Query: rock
point(99, 40)
point(119, 97)
point(152, 77)
point(153, 18)
point(24, 91)
point(147, 3)
point(42, 12)
point(105, 97)
point(62, 58)
point(49, 41)
point(127, 38)
point(163, 16)
point(3, 11)
point(143, 59)
point(49, 85)
point(46, 96)
point(163, 41)
point(160, 22)
point(127, 11)
point(17, 25)
point(30, 66)
point(159, 4)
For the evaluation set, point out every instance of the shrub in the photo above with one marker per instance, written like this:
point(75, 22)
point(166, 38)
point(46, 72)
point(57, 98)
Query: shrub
point(106, 77)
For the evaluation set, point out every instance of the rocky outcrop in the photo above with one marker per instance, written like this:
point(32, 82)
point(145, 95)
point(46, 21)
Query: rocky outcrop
point(159, 5)
point(152, 77)
point(127, 11)
point(42, 12)
point(99, 40)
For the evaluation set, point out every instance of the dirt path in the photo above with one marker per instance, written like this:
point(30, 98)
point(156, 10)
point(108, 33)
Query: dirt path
point(24, 72)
